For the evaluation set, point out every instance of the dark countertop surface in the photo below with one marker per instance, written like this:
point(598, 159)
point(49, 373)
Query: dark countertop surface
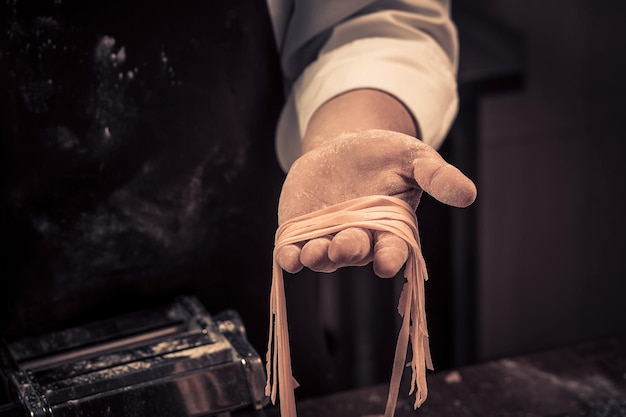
point(585, 380)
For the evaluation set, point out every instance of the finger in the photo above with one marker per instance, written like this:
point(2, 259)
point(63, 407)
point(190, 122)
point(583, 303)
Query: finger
point(351, 247)
point(443, 181)
point(390, 254)
point(314, 255)
point(288, 258)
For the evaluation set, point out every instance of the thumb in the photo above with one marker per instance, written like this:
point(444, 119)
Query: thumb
point(443, 181)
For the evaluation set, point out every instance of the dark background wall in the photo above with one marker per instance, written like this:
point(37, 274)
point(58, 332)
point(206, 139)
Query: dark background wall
point(544, 264)
point(552, 191)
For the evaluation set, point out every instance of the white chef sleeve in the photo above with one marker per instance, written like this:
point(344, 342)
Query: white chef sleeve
point(408, 49)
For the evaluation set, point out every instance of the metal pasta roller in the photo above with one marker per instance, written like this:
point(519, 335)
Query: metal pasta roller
point(175, 361)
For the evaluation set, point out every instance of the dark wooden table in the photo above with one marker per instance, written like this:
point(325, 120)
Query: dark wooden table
point(585, 380)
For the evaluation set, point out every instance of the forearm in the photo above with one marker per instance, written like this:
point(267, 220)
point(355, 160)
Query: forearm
point(358, 110)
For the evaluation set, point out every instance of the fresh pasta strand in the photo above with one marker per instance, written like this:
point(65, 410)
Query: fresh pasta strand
point(380, 213)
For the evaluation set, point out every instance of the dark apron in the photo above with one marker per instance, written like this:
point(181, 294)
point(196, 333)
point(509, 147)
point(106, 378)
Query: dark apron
point(137, 159)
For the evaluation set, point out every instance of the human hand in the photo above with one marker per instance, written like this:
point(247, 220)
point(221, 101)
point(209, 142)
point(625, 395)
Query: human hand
point(358, 164)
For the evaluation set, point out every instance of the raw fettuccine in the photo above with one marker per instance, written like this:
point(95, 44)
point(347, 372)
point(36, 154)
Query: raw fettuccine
point(378, 213)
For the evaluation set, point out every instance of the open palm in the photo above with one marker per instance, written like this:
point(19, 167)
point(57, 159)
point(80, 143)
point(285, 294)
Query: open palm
point(358, 164)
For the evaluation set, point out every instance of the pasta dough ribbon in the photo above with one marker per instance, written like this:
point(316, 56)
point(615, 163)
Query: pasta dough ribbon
point(379, 213)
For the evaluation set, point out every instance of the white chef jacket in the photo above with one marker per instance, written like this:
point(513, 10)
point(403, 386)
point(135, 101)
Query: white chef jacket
point(407, 48)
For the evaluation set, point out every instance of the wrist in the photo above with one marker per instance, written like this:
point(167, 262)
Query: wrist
point(355, 111)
